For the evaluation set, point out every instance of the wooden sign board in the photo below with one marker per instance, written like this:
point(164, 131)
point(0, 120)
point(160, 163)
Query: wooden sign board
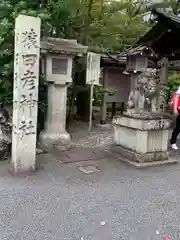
point(93, 68)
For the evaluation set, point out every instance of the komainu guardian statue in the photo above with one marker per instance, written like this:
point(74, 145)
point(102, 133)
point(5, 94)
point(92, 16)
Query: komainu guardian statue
point(141, 134)
point(142, 98)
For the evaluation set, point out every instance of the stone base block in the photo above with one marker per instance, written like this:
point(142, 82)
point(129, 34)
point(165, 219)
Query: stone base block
point(22, 171)
point(51, 140)
point(139, 160)
point(140, 140)
point(103, 122)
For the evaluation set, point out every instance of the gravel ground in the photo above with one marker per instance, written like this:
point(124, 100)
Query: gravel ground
point(117, 203)
point(100, 136)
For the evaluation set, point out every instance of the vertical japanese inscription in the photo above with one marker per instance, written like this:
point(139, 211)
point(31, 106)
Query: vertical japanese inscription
point(26, 77)
point(29, 39)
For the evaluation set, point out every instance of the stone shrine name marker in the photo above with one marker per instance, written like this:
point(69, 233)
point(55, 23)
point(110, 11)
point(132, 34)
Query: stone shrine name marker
point(25, 100)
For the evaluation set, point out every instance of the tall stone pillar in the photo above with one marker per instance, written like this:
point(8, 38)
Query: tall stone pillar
point(55, 129)
point(25, 99)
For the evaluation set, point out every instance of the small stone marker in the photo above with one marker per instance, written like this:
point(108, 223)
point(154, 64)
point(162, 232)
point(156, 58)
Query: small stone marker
point(157, 232)
point(103, 223)
point(39, 151)
point(89, 169)
point(25, 100)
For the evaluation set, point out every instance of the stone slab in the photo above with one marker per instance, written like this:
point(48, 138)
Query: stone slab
point(89, 169)
point(79, 154)
point(147, 164)
point(141, 164)
point(140, 157)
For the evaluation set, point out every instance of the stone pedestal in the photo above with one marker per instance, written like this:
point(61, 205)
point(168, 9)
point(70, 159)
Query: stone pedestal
point(142, 140)
point(55, 129)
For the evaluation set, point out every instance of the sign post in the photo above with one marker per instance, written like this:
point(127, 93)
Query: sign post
point(92, 78)
point(91, 107)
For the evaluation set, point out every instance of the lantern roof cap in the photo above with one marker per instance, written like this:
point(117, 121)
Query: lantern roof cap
point(62, 46)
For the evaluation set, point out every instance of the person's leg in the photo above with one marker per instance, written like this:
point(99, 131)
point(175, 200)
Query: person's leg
point(175, 132)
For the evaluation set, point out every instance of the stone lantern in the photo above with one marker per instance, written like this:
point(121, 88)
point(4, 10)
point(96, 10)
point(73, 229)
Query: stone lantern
point(136, 63)
point(58, 57)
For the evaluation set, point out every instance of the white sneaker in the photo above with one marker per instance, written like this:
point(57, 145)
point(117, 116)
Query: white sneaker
point(174, 146)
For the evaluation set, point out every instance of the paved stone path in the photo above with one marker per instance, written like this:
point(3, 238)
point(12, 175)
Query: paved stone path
point(118, 202)
point(79, 154)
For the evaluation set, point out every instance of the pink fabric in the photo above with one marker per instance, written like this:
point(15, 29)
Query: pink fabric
point(172, 101)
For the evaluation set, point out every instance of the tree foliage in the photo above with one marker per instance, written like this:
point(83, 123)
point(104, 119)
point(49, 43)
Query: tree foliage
point(108, 26)
point(172, 84)
point(173, 81)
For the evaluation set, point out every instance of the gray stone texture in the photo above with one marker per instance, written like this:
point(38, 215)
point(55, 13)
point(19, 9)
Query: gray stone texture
point(61, 203)
point(142, 140)
point(25, 96)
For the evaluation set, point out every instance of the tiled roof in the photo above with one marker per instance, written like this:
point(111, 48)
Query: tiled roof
point(162, 38)
point(58, 45)
point(166, 15)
